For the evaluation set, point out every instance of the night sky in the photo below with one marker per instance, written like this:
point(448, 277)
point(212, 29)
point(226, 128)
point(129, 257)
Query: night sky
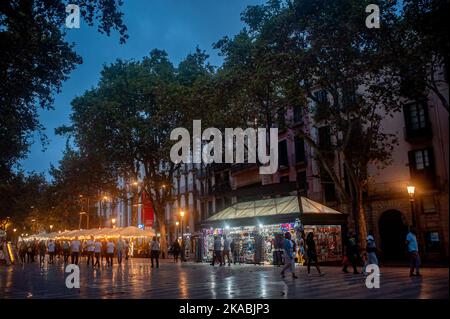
point(176, 26)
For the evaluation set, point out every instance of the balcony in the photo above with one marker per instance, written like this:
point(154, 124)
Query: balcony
point(418, 135)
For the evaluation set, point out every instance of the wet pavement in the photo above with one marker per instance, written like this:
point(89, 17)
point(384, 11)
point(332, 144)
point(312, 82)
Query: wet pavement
point(136, 279)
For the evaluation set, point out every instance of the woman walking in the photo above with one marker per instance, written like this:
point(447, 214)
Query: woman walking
point(312, 253)
point(176, 250)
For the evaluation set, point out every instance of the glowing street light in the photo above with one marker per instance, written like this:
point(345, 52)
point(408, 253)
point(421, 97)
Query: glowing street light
point(113, 221)
point(182, 217)
point(411, 190)
point(51, 227)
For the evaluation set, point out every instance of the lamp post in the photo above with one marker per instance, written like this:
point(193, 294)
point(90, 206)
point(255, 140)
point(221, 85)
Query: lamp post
point(182, 217)
point(411, 190)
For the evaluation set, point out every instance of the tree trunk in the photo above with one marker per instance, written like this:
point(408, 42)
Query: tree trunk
point(163, 231)
point(362, 225)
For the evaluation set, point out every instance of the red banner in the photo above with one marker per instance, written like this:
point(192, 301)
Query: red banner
point(148, 214)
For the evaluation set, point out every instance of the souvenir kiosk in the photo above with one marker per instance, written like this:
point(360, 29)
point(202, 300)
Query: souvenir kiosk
point(255, 224)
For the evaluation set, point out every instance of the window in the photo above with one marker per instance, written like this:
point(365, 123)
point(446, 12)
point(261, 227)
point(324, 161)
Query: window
point(321, 96)
point(428, 205)
point(432, 242)
point(299, 150)
point(281, 119)
point(297, 114)
point(302, 182)
point(421, 159)
point(421, 166)
point(415, 116)
point(324, 136)
point(283, 154)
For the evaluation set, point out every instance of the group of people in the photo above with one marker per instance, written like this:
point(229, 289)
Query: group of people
point(98, 249)
point(222, 253)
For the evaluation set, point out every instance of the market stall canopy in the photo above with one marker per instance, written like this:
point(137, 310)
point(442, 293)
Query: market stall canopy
point(281, 209)
point(130, 231)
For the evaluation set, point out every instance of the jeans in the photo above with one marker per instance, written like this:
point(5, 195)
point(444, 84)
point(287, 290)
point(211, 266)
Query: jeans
point(97, 259)
point(227, 254)
point(155, 255)
point(75, 258)
point(119, 257)
point(90, 256)
point(217, 255)
point(51, 256)
point(414, 262)
point(109, 258)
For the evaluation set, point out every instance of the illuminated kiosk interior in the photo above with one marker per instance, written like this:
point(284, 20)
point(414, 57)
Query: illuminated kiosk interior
point(255, 223)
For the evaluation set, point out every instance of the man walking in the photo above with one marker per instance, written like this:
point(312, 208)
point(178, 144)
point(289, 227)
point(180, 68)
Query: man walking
point(289, 261)
point(352, 254)
point(97, 252)
point(154, 251)
point(110, 252)
point(413, 250)
point(51, 251)
point(75, 247)
point(226, 250)
point(217, 253)
point(90, 250)
point(120, 250)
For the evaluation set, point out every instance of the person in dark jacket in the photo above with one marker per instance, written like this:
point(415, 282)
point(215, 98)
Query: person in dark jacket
point(311, 253)
point(351, 251)
point(176, 250)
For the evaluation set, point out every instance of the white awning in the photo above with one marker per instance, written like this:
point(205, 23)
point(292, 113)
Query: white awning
point(270, 207)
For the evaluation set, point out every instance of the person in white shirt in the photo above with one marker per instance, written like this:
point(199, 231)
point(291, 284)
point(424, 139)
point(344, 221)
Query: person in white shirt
point(75, 247)
point(51, 250)
point(97, 252)
point(90, 250)
point(110, 252)
point(154, 251)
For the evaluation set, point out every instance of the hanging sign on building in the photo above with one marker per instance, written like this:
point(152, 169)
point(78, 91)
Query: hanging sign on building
point(148, 213)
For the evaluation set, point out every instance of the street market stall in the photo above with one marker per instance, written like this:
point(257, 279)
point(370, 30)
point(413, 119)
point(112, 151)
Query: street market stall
point(255, 224)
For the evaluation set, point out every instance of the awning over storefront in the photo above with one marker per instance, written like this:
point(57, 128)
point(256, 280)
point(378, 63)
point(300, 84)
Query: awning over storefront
point(277, 210)
point(130, 231)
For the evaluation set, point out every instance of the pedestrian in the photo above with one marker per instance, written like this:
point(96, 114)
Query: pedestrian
point(226, 250)
point(51, 251)
point(183, 249)
point(236, 250)
point(279, 246)
point(75, 246)
point(110, 252)
point(120, 250)
point(217, 252)
point(351, 252)
point(176, 250)
point(97, 252)
point(42, 251)
point(413, 251)
point(104, 254)
point(66, 250)
point(311, 253)
point(90, 247)
point(154, 251)
point(302, 251)
point(23, 251)
point(289, 262)
point(371, 254)
point(127, 251)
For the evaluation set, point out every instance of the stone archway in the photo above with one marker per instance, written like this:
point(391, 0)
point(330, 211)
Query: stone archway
point(393, 228)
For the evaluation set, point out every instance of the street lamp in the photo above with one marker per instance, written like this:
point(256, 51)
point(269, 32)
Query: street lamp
point(176, 228)
point(113, 221)
point(411, 189)
point(51, 227)
point(182, 217)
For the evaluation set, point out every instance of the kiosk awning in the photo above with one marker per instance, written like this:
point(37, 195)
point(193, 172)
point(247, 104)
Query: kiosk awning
point(281, 209)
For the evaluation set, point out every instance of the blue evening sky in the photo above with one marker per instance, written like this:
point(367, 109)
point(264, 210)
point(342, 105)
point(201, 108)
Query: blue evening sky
point(176, 26)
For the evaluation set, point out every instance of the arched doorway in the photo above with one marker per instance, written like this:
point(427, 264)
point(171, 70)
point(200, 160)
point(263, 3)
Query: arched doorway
point(393, 230)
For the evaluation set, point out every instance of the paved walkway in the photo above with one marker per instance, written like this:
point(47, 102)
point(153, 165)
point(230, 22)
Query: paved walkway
point(135, 279)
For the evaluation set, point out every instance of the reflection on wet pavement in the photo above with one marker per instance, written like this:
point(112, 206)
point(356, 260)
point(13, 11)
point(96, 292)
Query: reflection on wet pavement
point(136, 279)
